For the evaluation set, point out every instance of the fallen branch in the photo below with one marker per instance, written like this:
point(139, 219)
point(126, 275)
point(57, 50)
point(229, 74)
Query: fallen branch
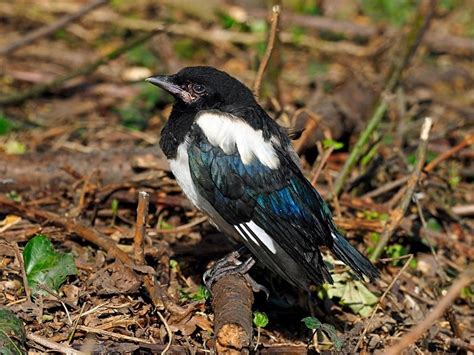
point(52, 345)
point(232, 303)
point(399, 212)
point(87, 69)
point(48, 29)
point(412, 336)
point(272, 38)
point(409, 45)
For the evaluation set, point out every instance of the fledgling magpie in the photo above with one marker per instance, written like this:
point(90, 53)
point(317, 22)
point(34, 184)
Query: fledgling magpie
point(237, 165)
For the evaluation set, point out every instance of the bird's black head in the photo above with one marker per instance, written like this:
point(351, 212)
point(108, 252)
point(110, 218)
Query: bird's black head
point(202, 88)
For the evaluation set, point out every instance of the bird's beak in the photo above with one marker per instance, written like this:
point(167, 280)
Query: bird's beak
point(166, 83)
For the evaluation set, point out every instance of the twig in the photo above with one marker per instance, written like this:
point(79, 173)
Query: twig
point(412, 336)
point(399, 212)
point(385, 188)
point(463, 210)
point(400, 272)
point(232, 303)
point(268, 51)
point(40, 89)
point(168, 330)
point(184, 227)
point(19, 256)
point(467, 141)
point(112, 334)
point(324, 158)
point(46, 30)
point(140, 227)
point(53, 345)
point(409, 46)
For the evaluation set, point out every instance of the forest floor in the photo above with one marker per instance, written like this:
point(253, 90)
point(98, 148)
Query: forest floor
point(79, 129)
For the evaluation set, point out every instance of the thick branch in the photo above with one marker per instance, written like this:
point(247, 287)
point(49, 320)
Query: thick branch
point(232, 303)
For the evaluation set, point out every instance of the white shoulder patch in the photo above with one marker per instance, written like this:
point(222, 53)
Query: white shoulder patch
point(230, 133)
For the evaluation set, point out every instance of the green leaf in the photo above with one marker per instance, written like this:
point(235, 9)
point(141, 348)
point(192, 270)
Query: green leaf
point(202, 294)
point(312, 323)
point(396, 251)
point(12, 334)
point(5, 125)
point(330, 143)
point(173, 264)
point(434, 225)
point(260, 319)
point(352, 293)
point(43, 265)
point(330, 330)
point(115, 205)
point(15, 196)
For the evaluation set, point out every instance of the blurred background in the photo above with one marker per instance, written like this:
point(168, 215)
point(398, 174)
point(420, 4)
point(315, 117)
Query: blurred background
point(79, 129)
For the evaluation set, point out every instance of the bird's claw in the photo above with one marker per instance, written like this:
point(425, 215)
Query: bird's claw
point(230, 264)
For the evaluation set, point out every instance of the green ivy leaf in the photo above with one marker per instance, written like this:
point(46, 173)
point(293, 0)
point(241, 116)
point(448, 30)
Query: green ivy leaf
point(260, 319)
point(312, 323)
point(12, 334)
point(43, 265)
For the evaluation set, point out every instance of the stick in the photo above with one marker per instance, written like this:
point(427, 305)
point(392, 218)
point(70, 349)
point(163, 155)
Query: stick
point(140, 227)
point(399, 212)
point(87, 69)
point(409, 45)
point(46, 30)
point(467, 141)
point(412, 336)
point(268, 51)
point(232, 303)
point(63, 349)
point(19, 256)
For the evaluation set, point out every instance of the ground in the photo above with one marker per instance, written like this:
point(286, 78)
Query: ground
point(78, 140)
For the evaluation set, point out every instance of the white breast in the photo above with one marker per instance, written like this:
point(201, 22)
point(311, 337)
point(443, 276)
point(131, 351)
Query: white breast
point(180, 169)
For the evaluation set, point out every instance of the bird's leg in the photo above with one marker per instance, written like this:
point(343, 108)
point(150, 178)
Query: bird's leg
point(230, 264)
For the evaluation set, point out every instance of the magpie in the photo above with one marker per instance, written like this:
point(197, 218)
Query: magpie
point(237, 165)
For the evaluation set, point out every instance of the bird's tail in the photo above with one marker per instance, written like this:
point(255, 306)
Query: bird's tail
point(345, 252)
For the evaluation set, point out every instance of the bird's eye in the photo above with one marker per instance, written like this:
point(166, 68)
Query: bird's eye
point(198, 89)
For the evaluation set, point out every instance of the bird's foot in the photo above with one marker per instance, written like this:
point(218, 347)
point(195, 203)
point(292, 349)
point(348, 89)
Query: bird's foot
point(230, 264)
